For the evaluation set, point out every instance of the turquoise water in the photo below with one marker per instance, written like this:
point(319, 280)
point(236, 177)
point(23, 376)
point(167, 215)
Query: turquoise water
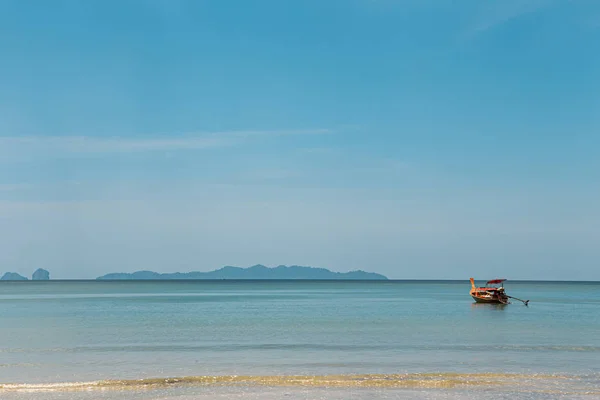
point(84, 331)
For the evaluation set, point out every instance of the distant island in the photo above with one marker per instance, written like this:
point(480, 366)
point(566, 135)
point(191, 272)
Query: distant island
point(39, 275)
point(12, 276)
point(255, 272)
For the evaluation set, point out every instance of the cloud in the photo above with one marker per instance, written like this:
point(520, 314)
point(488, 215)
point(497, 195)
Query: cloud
point(318, 150)
point(87, 144)
point(592, 22)
point(500, 12)
point(249, 134)
point(13, 187)
point(13, 146)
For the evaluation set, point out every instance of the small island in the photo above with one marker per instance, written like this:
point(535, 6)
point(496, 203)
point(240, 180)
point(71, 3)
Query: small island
point(13, 276)
point(255, 272)
point(40, 275)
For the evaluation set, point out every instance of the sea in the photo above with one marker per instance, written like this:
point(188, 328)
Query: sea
point(296, 340)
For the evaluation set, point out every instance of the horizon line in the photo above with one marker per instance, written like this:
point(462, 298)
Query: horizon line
point(290, 280)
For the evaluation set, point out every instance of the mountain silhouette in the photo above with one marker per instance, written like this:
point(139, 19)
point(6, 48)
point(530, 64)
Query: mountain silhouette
point(254, 272)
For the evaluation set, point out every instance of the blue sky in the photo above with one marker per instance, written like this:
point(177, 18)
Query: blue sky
point(419, 139)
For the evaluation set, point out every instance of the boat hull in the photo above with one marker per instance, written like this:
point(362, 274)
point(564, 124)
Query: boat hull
point(487, 301)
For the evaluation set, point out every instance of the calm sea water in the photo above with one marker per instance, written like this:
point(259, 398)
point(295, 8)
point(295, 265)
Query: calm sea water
point(366, 339)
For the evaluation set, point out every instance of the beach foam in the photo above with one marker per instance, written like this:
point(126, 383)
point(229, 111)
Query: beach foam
point(417, 380)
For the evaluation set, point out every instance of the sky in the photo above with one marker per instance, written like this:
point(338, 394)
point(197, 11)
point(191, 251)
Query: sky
point(421, 139)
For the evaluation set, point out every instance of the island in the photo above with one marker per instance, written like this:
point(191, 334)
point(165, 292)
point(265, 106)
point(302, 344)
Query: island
point(12, 276)
point(40, 275)
point(256, 272)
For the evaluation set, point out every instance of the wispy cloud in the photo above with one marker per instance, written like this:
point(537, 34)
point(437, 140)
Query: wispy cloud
point(497, 13)
point(11, 146)
point(87, 144)
point(592, 22)
point(275, 133)
point(318, 150)
point(270, 174)
point(13, 187)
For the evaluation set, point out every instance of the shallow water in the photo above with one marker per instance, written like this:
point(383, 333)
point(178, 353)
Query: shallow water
point(57, 332)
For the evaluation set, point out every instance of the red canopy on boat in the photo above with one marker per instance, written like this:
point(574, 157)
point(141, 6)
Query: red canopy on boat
point(495, 281)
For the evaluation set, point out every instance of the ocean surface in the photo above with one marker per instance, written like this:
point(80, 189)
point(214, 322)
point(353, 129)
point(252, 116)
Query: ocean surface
point(296, 340)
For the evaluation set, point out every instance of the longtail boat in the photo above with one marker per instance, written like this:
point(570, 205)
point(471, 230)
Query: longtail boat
point(492, 292)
